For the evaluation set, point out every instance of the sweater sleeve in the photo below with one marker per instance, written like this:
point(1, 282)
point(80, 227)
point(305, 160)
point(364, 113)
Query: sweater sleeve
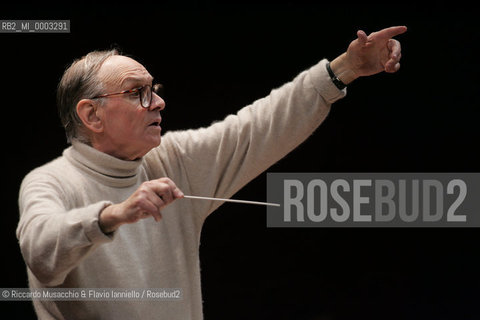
point(217, 161)
point(52, 238)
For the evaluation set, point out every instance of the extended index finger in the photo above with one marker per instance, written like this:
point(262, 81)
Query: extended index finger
point(391, 32)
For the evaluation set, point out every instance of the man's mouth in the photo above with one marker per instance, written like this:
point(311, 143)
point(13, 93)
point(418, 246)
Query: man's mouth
point(155, 124)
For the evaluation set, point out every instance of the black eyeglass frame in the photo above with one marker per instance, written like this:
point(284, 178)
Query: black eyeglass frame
point(156, 88)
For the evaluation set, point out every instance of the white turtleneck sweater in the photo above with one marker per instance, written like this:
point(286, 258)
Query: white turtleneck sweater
point(58, 231)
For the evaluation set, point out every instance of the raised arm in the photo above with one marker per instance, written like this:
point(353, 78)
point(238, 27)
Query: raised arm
point(219, 160)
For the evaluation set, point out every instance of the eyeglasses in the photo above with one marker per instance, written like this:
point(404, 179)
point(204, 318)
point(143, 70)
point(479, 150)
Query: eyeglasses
point(144, 93)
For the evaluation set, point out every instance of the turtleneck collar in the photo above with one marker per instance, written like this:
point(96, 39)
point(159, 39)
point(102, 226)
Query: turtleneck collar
point(104, 168)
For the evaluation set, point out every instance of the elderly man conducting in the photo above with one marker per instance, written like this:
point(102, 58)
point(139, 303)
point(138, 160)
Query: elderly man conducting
point(86, 217)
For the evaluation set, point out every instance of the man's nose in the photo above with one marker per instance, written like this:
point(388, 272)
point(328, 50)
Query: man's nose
point(157, 102)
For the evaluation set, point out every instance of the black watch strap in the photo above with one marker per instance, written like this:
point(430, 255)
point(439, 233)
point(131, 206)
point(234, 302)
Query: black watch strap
point(337, 82)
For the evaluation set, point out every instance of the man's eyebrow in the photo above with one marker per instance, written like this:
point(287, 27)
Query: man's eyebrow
point(137, 80)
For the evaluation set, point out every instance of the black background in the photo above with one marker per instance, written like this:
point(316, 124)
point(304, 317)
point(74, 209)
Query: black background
point(214, 58)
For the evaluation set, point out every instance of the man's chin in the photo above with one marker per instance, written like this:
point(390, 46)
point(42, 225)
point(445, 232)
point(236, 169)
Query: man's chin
point(156, 142)
point(153, 143)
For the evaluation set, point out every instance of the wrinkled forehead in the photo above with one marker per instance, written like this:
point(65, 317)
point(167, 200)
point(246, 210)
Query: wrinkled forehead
point(120, 72)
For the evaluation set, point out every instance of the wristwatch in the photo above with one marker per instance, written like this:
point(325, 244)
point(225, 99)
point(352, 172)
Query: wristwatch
point(337, 82)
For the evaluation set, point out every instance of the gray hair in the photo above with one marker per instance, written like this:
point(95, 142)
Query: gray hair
point(80, 81)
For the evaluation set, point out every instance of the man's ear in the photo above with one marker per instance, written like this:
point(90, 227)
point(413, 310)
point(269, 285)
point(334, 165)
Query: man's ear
point(87, 112)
